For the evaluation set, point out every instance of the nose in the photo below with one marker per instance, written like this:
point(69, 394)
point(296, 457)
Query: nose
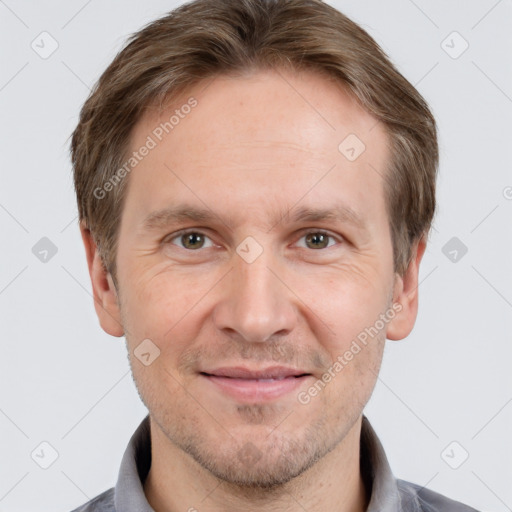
point(256, 304)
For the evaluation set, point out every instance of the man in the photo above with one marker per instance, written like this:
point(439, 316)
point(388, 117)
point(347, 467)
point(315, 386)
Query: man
point(256, 184)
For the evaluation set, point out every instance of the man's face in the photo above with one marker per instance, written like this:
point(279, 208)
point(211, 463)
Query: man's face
point(252, 306)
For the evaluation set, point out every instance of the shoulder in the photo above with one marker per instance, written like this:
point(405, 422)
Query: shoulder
point(104, 502)
point(421, 499)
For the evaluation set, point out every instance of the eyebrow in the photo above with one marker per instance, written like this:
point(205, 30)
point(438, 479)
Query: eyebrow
point(166, 217)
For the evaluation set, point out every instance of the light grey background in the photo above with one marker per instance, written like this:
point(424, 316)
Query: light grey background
point(66, 382)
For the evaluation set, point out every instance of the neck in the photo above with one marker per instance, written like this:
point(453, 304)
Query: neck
point(177, 482)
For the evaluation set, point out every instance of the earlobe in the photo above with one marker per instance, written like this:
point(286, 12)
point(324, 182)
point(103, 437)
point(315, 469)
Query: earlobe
point(406, 294)
point(104, 292)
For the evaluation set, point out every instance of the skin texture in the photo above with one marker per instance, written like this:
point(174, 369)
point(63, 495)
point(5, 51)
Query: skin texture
point(253, 150)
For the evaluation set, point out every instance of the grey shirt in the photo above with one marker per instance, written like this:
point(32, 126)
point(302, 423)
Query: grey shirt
point(387, 493)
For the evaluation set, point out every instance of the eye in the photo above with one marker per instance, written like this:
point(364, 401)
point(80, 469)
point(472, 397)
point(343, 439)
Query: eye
point(318, 240)
point(195, 240)
point(191, 240)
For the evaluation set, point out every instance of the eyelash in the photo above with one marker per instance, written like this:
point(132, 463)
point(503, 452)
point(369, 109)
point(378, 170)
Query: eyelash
point(179, 234)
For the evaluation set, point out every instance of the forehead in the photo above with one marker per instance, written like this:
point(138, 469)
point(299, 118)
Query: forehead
point(295, 108)
point(268, 136)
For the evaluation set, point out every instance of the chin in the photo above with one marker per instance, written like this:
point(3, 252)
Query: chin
point(250, 467)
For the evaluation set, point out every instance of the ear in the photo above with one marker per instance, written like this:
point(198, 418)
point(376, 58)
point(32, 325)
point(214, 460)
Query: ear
point(406, 293)
point(104, 290)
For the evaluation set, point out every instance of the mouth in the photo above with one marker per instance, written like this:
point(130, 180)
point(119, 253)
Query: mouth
point(246, 385)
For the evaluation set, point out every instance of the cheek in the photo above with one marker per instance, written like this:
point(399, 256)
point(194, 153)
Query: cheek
point(344, 301)
point(163, 307)
point(343, 391)
point(356, 363)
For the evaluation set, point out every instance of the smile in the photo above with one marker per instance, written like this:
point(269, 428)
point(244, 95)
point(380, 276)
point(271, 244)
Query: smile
point(247, 385)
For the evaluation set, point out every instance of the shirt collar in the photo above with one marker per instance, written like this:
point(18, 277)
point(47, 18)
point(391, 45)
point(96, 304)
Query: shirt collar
point(129, 493)
point(377, 472)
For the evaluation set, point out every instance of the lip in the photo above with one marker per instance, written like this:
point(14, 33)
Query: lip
point(246, 385)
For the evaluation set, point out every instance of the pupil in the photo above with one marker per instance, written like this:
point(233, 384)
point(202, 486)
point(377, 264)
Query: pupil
point(317, 237)
point(192, 239)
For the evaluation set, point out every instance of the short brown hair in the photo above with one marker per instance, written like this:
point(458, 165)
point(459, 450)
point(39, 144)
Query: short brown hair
point(206, 38)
